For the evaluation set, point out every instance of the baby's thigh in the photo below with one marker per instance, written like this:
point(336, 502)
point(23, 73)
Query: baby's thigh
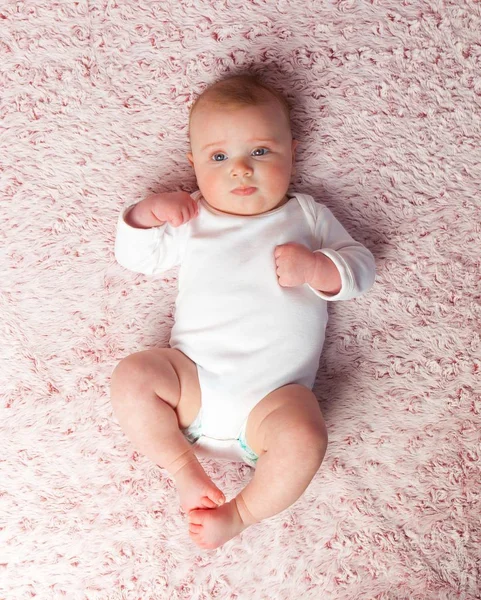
point(292, 410)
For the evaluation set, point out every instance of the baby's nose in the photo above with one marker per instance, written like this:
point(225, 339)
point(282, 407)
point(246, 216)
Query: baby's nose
point(241, 168)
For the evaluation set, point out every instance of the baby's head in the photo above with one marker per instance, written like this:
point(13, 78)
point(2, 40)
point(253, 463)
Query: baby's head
point(240, 137)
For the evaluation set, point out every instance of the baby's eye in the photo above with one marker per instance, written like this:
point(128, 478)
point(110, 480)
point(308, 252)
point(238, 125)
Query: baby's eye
point(218, 154)
point(263, 150)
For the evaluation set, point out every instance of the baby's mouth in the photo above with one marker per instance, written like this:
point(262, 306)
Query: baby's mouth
point(244, 191)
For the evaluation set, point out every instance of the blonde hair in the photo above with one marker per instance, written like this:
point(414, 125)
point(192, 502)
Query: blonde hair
point(237, 91)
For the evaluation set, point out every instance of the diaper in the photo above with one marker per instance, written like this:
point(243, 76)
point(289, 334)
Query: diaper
point(234, 449)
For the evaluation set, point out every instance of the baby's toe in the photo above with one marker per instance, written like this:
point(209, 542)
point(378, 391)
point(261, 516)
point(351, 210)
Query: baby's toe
point(216, 497)
point(197, 536)
point(207, 502)
point(196, 517)
point(219, 498)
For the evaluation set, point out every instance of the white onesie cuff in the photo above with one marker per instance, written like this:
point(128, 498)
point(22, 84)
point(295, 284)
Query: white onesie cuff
point(347, 278)
point(132, 241)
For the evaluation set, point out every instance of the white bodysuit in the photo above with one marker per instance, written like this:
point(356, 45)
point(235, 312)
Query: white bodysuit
point(247, 334)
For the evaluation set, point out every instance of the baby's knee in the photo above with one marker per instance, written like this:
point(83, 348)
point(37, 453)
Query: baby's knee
point(122, 369)
point(308, 438)
point(129, 371)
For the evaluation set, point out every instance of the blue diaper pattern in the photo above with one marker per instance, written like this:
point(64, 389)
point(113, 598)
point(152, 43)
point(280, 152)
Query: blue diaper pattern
point(194, 431)
point(248, 452)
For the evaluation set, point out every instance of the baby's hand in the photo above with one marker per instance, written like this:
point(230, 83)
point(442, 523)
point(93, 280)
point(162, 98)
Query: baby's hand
point(294, 264)
point(176, 208)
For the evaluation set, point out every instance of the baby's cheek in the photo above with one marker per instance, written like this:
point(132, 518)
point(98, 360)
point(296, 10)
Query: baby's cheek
point(208, 184)
point(280, 177)
point(284, 168)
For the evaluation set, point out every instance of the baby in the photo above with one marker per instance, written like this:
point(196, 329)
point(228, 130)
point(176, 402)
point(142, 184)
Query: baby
point(257, 267)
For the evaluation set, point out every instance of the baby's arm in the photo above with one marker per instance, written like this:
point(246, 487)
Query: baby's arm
point(149, 237)
point(339, 252)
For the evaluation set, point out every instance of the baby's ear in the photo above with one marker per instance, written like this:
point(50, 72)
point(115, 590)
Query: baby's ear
point(293, 150)
point(190, 158)
point(294, 145)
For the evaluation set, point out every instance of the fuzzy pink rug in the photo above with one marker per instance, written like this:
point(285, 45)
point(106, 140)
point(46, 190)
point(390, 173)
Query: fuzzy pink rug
point(94, 100)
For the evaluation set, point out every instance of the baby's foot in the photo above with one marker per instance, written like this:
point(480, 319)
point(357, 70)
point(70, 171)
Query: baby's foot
point(211, 528)
point(196, 489)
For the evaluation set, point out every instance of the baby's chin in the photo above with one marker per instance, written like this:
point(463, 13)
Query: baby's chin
point(244, 206)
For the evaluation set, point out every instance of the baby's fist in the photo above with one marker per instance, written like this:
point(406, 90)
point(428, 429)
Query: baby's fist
point(294, 264)
point(176, 208)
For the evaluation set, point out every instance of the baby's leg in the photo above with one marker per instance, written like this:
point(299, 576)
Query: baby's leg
point(288, 433)
point(154, 393)
point(290, 437)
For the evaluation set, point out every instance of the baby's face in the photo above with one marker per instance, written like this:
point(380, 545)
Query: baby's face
point(248, 147)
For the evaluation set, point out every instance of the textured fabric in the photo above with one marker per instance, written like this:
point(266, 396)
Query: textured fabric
point(246, 333)
point(94, 104)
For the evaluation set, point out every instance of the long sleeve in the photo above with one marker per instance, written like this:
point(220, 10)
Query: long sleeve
point(355, 262)
point(149, 251)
